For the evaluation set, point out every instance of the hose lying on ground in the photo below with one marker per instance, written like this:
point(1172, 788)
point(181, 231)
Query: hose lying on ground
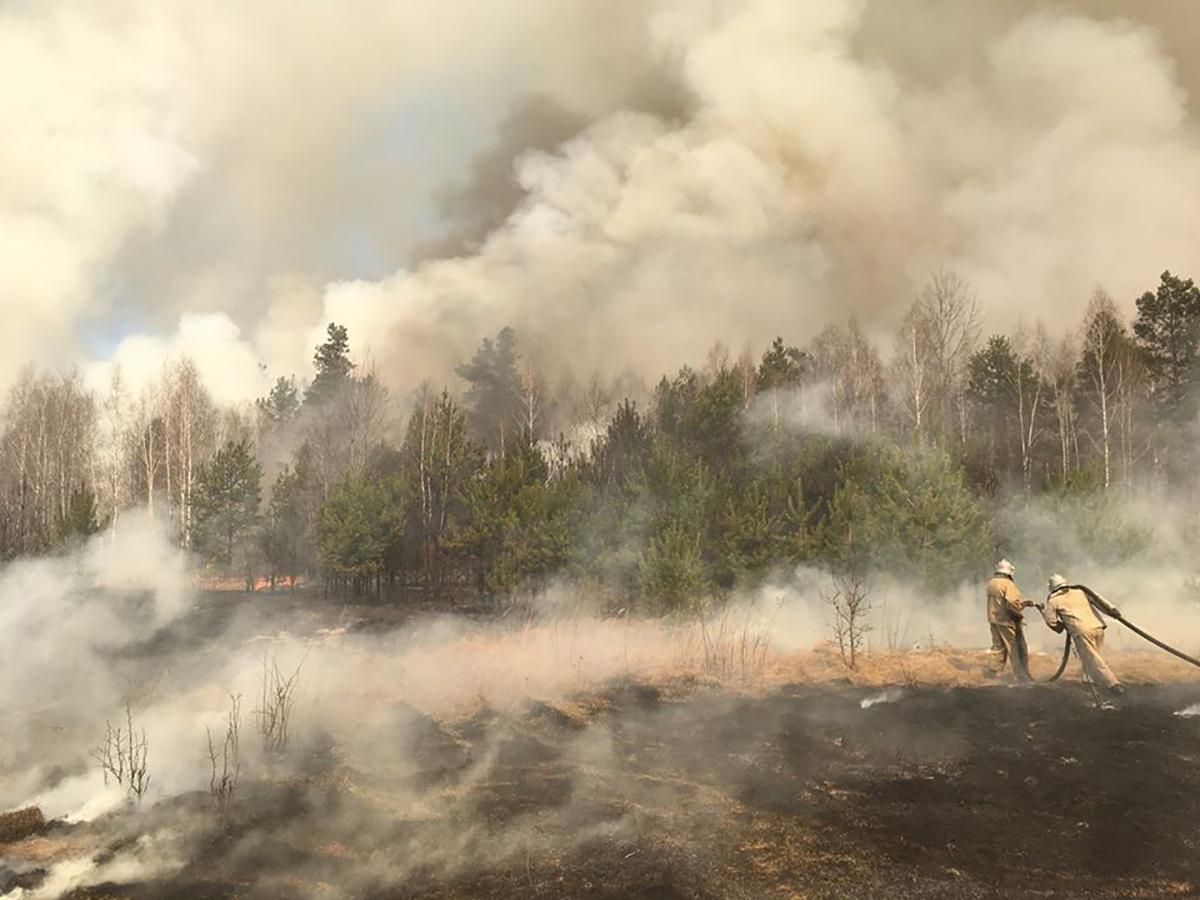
point(1062, 666)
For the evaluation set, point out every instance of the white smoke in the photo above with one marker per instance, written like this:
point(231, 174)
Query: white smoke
point(64, 623)
point(888, 696)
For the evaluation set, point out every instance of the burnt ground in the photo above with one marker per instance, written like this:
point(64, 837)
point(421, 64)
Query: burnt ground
point(695, 792)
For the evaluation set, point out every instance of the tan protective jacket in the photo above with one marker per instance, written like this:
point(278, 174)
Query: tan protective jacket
point(1003, 601)
point(1071, 609)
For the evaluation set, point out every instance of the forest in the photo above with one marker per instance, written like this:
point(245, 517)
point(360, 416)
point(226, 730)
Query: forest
point(921, 459)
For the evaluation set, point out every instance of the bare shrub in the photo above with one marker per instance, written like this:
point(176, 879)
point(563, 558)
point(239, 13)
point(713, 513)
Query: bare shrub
point(276, 702)
point(123, 755)
point(851, 605)
point(226, 764)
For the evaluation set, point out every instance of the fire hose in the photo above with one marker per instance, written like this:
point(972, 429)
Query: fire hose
point(1108, 609)
point(1104, 608)
point(1062, 666)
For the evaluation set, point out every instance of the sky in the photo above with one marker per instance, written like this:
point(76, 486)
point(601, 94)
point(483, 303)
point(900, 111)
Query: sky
point(623, 181)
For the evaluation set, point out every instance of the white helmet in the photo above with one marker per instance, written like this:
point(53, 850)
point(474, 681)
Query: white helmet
point(1004, 567)
point(1056, 582)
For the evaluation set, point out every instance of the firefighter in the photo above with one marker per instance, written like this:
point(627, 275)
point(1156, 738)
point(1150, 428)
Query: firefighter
point(1006, 619)
point(1071, 608)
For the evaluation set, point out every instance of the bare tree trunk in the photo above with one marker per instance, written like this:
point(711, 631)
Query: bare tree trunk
point(531, 398)
point(1103, 351)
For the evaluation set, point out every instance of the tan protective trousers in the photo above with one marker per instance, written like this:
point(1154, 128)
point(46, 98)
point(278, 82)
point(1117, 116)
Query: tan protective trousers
point(1088, 645)
point(1008, 644)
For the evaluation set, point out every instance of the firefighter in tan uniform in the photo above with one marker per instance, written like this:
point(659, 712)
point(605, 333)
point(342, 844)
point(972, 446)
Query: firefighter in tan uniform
point(1006, 619)
point(1071, 609)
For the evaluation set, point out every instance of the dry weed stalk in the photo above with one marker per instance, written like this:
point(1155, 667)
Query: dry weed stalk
point(277, 700)
point(226, 766)
point(895, 627)
point(123, 755)
point(731, 648)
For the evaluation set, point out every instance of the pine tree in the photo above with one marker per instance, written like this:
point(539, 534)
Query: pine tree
point(622, 451)
point(360, 526)
point(333, 365)
point(226, 504)
point(493, 396)
point(782, 367)
point(907, 514)
point(1167, 328)
point(1008, 401)
point(520, 523)
point(781, 376)
point(713, 427)
point(752, 536)
point(281, 404)
point(671, 569)
point(284, 535)
point(614, 480)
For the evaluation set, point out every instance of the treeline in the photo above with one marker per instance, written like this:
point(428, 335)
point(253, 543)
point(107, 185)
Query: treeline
point(823, 455)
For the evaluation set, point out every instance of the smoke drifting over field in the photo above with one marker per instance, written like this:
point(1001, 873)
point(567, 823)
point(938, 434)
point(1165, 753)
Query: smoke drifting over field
point(691, 171)
point(406, 742)
point(120, 619)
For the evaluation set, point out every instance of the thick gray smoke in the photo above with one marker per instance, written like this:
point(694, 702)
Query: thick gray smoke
point(814, 177)
point(695, 171)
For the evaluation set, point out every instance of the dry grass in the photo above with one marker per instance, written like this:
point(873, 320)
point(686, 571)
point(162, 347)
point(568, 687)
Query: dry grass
point(563, 660)
point(733, 646)
point(50, 848)
point(1146, 667)
point(20, 823)
point(949, 667)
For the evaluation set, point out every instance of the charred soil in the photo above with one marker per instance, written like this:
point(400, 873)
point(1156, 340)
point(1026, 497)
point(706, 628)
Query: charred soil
point(692, 791)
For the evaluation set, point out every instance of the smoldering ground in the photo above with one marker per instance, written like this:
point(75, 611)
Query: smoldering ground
point(563, 753)
point(697, 792)
point(138, 635)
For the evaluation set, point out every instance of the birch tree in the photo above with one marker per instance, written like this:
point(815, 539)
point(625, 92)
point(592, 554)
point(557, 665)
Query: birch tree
point(190, 425)
point(1105, 374)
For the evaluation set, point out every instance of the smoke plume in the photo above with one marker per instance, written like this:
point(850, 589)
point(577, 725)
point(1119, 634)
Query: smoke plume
point(624, 185)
